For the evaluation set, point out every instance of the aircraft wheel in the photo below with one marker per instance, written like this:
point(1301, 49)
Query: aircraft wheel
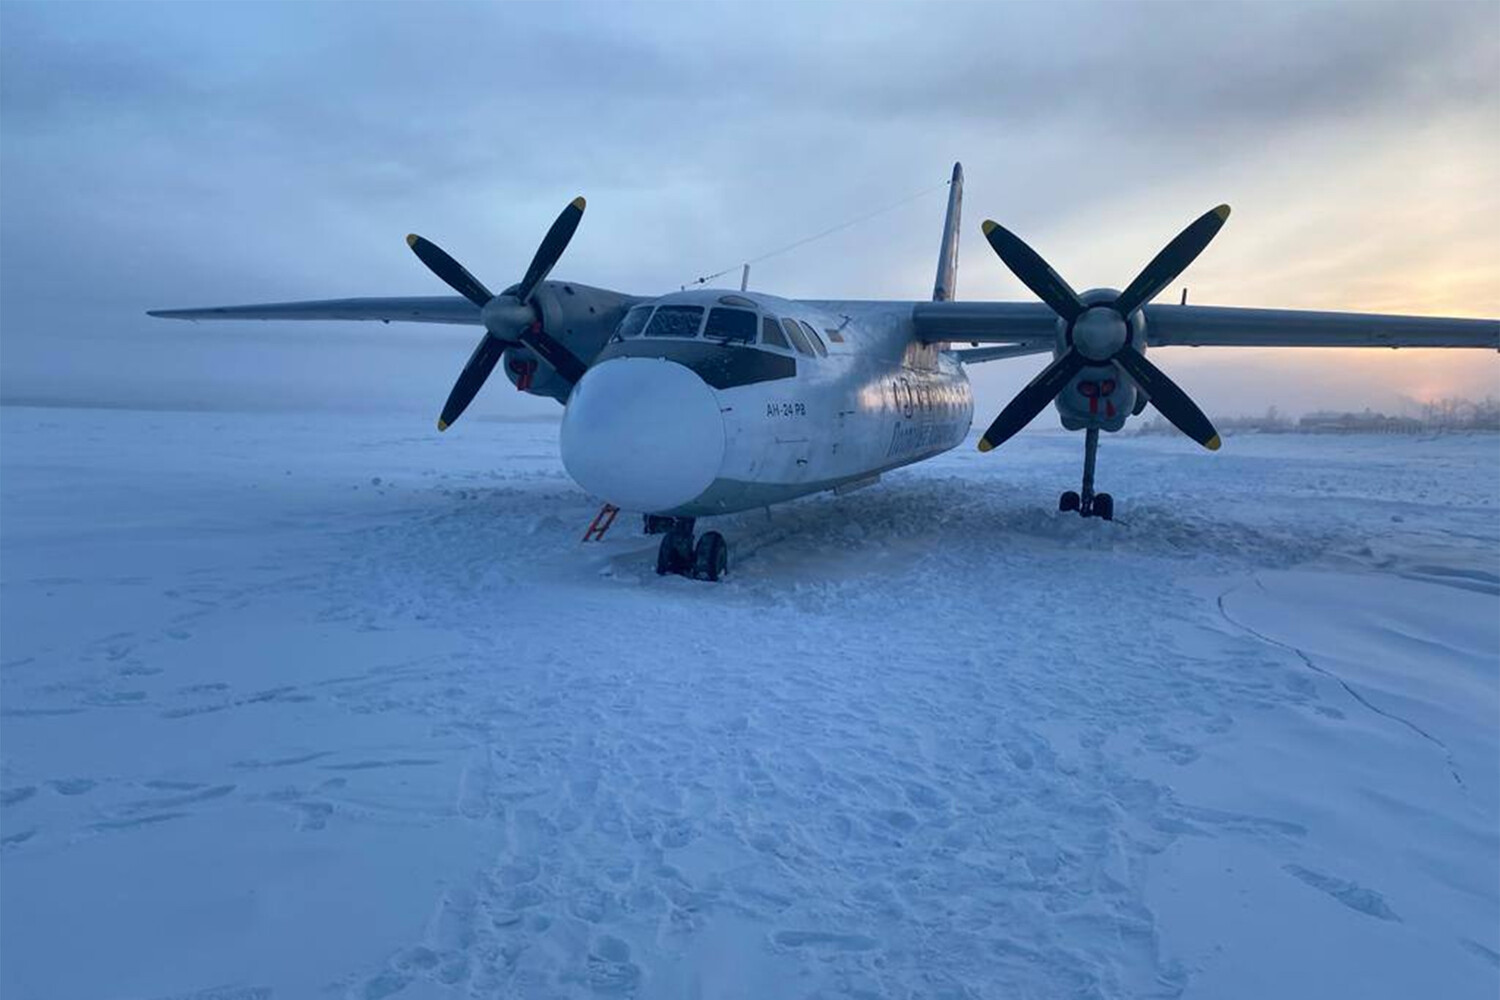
point(1068, 501)
point(711, 559)
point(674, 554)
point(1104, 506)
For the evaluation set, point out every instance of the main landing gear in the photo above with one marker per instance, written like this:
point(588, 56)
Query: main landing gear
point(1088, 503)
point(707, 560)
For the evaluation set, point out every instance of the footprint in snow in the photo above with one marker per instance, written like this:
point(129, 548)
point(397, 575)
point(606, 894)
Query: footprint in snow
point(257, 765)
point(609, 967)
point(224, 993)
point(12, 796)
point(823, 940)
point(312, 815)
point(139, 821)
point(187, 798)
point(1351, 894)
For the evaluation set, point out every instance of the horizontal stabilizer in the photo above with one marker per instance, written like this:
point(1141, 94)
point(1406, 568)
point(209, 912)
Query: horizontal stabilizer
point(975, 355)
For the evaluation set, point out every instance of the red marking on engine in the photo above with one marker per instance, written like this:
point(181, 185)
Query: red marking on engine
point(1090, 391)
point(525, 374)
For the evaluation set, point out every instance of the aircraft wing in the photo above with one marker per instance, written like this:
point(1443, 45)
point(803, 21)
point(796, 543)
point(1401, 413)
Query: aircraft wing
point(418, 309)
point(1034, 324)
point(1029, 323)
point(1223, 326)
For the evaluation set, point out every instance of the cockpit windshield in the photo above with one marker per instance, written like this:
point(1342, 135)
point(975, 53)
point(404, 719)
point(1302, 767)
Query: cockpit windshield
point(633, 323)
point(727, 325)
point(676, 321)
point(734, 321)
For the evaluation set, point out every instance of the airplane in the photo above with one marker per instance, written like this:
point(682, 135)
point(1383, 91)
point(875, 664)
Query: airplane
point(711, 401)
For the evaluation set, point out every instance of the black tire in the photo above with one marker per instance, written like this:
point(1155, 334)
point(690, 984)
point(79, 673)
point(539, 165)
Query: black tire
point(1104, 506)
point(711, 558)
point(674, 554)
point(1068, 501)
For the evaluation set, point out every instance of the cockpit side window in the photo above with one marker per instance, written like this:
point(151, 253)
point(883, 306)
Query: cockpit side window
point(675, 321)
point(799, 339)
point(814, 339)
point(736, 325)
point(633, 323)
point(770, 333)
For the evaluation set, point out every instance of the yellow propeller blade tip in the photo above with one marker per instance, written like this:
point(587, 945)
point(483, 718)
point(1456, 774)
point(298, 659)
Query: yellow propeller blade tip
point(442, 424)
point(1212, 444)
point(990, 225)
point(1222, 212)
point(984, 445)
point(579, 203)
point(411, 239)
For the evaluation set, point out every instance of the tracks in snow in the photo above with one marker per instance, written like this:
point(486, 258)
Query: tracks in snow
point(1353, 692)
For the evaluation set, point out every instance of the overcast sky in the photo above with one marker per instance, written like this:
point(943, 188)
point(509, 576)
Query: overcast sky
point(200, 154)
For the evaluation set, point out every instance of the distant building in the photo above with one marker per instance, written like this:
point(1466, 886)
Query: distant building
point(1368, 422)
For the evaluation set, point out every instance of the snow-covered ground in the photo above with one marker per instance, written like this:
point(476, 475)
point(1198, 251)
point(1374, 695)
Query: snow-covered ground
point(325, 706)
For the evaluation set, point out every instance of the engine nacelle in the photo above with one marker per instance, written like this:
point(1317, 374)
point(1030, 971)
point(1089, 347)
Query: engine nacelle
point(581, 318)
point(1101, 395)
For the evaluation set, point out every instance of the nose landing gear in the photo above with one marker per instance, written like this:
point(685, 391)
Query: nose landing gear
point(678, 555)
point(1087, 502)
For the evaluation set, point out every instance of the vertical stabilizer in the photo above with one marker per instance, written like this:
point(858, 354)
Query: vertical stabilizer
point(946, 285)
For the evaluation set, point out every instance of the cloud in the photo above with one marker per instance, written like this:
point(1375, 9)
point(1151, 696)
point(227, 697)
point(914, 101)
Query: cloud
point(176, 154)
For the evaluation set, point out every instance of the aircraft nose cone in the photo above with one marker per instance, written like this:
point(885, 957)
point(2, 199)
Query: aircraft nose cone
point(643, 433)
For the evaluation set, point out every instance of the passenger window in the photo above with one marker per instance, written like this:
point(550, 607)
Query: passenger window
point(675, 321)
point(799, 339)
point(633, 323)
point(730, 324)
point(815, 340)
point(770, 333)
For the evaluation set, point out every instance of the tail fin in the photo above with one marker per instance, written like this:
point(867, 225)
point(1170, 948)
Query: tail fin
point(946, 285)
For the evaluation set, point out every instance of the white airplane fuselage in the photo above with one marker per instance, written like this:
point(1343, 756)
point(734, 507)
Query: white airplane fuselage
point(691, 426)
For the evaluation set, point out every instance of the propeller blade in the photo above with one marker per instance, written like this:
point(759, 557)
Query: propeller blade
point(478, 368)
point(1172, 261)
point(1029, 401)
point(1173, 403)
point(1034, 272)
point(552, 247)
point(562, 360)
point(450, 270)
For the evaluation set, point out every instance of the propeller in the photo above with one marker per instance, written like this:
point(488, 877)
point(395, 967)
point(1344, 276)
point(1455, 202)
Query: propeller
point(510, 319)
point(1100, 334)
